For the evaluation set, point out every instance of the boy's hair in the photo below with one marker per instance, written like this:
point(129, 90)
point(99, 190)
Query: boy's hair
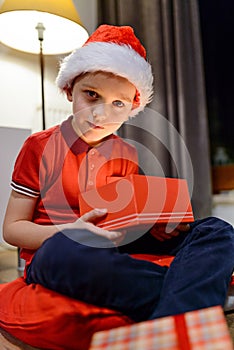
point(116, 50)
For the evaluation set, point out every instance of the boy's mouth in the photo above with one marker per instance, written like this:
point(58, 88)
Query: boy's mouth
point(94, 126)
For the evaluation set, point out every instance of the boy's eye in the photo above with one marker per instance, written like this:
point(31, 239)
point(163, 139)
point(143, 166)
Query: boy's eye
point(118, 103)
point(91, 94)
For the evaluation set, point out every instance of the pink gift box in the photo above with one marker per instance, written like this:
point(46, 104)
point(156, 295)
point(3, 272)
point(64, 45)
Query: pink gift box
point(204, 329)
point(138, 200)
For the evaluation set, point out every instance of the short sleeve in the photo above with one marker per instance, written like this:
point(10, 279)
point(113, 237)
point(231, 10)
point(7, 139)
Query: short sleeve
point(25, 177)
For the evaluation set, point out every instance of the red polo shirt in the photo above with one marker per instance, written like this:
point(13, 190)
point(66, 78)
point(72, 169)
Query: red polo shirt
point(55, 166)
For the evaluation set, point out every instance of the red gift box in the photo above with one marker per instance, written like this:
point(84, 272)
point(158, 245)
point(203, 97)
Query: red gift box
point(139, 200)
point(204, 329)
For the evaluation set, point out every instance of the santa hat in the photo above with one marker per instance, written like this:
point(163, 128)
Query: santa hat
point(111, 49)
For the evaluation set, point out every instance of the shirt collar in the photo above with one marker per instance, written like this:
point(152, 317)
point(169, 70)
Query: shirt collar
point(78, 146)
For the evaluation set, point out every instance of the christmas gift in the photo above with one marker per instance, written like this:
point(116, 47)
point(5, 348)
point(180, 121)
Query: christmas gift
point(204, 329)
point(138, 200)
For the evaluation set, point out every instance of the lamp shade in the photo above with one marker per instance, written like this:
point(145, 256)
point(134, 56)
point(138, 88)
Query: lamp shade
point(63, 28)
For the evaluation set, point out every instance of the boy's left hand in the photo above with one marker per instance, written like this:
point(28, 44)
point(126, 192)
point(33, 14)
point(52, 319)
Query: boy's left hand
point(163, 232)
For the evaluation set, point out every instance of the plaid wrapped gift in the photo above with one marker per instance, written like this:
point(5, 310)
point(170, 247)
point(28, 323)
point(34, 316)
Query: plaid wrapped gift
point(204, 329)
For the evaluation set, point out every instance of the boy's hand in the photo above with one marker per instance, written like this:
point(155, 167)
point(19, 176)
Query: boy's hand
point(88, 221)
point(167, 231)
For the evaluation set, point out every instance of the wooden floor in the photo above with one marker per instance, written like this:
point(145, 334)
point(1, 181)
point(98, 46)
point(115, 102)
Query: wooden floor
point(9, 272)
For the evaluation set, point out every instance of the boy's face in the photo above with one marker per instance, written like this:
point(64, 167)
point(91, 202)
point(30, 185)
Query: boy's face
point(102, 102)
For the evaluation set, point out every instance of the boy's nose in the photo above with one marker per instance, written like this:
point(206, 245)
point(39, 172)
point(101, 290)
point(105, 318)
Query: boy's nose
point(100, 113)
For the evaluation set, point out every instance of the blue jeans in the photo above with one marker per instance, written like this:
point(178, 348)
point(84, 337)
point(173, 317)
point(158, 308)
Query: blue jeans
point(198, 277)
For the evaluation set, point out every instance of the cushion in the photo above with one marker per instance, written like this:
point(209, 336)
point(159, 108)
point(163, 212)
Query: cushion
point(45, 319)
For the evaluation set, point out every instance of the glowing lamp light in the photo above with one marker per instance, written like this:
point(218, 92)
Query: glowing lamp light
point(63, 28)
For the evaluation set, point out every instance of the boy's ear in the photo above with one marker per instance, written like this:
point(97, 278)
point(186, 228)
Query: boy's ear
point(68, 92)
point(136, 101)
point(135, 105)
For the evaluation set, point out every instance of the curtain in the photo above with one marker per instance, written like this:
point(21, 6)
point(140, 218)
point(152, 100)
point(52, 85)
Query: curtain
point(172, 133)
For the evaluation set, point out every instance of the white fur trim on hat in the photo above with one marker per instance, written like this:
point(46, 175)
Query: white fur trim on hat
point(121, 60)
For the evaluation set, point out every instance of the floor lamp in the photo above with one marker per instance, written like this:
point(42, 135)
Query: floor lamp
point(55, 23)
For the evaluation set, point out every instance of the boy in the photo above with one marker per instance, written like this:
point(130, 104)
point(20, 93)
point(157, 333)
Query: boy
point(107, 80)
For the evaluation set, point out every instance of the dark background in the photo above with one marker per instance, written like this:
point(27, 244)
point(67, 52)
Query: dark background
point(217, 30)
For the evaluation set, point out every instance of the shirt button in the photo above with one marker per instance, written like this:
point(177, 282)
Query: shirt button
point(93, 152)
point(90, 183)
point(92, 166)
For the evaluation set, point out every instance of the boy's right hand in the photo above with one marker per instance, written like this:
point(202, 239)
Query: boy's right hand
point(88, 220)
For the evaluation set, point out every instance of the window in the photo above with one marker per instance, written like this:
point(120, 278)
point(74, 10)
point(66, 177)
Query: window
point(217, 32)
